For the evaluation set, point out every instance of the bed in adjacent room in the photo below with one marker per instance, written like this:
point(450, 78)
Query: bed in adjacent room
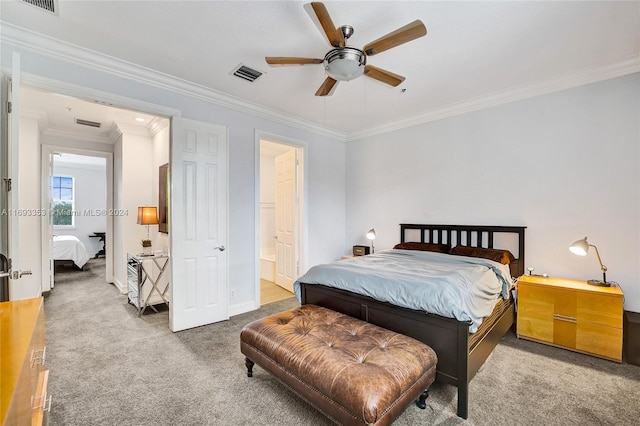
point(448, 286)
point(69, 248)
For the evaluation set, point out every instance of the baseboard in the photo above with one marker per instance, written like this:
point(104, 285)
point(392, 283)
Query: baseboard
point(242, 308)
point(123, 289)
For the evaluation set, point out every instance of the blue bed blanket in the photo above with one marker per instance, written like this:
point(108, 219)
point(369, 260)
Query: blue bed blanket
point(460, 287)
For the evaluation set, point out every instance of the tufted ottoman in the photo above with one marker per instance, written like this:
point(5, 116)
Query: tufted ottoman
point(353, 372)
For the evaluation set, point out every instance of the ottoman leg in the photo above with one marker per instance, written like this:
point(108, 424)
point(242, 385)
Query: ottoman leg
point(421, 403)
point(249, 365)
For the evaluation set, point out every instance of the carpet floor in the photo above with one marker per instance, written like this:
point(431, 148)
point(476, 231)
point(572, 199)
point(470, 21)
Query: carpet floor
point(110, 367)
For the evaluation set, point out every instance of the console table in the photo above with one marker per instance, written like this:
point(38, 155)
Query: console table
point(146, 289)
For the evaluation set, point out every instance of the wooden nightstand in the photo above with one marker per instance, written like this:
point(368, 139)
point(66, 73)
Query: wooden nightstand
point(571, 314)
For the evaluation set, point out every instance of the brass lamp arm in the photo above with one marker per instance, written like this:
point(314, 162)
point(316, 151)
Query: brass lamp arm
point(602, 267)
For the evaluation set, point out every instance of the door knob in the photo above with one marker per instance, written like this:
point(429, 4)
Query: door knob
point(221, 248)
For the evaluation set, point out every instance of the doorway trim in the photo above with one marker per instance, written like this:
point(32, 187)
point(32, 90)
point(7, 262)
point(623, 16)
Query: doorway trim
point(46, 228)
point(97, 96)
point(302, 231)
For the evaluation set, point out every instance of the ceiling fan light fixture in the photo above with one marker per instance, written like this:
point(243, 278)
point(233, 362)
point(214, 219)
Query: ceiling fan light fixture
point(345, 63)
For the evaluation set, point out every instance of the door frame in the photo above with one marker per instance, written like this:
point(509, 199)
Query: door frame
point(302, 230)
point(90, 95)
point(47, 228)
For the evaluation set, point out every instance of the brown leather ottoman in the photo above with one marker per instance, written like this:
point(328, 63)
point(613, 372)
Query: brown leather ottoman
point(353, 372)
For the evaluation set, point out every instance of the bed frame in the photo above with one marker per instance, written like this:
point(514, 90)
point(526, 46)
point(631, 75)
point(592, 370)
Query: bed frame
point(458, 361)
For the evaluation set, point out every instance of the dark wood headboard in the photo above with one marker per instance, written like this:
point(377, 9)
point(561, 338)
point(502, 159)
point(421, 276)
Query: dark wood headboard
point(471, 236)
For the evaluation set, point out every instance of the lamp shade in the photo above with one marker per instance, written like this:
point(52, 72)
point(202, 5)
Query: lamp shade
point(147, 216)
point(371, 234)
point(580, 247)
point(345, 64)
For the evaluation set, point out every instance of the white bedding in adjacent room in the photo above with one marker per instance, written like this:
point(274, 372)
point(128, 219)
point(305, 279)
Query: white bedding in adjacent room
point(69, 247)
point(465, 288)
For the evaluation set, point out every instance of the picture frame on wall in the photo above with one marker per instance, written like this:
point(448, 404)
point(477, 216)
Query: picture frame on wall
point(163, 199)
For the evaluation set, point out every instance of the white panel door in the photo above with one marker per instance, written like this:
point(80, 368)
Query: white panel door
point(19, 287)
point(286, 219)
point(198, 224)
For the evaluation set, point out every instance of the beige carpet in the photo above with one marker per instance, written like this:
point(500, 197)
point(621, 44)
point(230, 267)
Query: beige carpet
point(109, 367)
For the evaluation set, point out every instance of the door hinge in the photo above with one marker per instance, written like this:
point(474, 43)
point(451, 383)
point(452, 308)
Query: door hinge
point(8, 182)
point(9, 107)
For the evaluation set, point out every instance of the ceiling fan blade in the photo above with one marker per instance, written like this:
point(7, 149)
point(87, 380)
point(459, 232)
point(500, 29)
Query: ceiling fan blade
point(384, 76)
point(334, 35)
point(284, 60)
point(327, 87)
point(409, 32)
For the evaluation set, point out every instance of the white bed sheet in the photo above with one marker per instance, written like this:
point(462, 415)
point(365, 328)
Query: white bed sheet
point(69, 247)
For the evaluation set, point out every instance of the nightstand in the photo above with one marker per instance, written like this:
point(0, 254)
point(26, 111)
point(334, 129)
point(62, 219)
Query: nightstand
point(572, 315)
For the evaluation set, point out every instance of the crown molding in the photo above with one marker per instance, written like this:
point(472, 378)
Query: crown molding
point(115, 133)
point(77, 135)
point(40, 116)
point(156, 125)
point(50, 47)
point(541, 87)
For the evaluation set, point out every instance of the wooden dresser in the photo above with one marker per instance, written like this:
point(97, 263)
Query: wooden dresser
point(571, 314)
point(23, 376)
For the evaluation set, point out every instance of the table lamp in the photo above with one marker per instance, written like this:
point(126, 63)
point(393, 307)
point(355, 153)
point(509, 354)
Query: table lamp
point(147, 216)
point(581, 248)
point(372, 236)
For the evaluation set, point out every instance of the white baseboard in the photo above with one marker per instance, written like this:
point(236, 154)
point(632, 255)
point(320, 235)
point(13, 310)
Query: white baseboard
point(242, 308)
point(122, 288)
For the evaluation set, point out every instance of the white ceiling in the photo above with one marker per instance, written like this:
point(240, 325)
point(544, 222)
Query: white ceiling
point(475, 54)
point(57, 114)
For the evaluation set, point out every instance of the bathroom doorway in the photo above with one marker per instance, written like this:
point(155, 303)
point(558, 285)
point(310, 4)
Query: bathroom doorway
point(280, 219)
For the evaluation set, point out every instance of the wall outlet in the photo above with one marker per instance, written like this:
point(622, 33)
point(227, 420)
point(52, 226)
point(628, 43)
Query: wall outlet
point(233, 293)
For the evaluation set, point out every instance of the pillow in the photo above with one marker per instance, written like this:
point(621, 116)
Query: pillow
point(439, 248)
point(502, 256)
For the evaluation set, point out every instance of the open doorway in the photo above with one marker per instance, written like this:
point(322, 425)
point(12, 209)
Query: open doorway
point(139, 152)
point(90, 168)
point(78, 205)
point(280, 207)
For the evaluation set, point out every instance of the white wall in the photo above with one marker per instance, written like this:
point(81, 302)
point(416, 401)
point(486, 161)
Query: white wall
point(325, 164)
point(566, 165)
point(90, 196)
point(119, 267)
point(137, 190)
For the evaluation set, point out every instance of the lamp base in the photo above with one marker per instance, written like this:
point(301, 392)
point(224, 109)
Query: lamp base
point(599, 283)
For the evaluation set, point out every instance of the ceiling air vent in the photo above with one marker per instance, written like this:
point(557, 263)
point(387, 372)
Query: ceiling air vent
point(48, 5)
point(247, 73)
point(87, 123)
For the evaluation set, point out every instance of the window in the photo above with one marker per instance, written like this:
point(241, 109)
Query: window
point(62, 192)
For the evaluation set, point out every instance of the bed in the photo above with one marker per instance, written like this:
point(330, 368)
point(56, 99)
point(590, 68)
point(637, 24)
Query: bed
point(69, 248)
point(460, 352)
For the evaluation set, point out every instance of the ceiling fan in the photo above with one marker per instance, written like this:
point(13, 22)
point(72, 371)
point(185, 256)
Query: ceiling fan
point(344, 63)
